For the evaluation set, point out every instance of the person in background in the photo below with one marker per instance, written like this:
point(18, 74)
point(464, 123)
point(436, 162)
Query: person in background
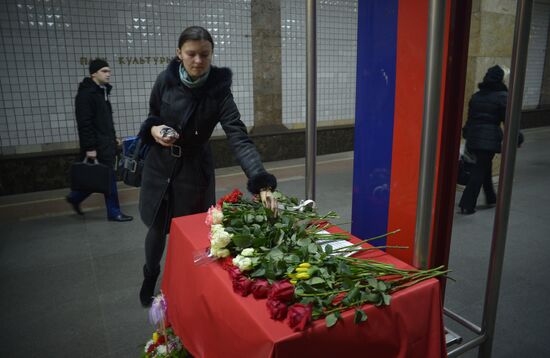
point(187, 101)
point(96, 133)
point(483, 134)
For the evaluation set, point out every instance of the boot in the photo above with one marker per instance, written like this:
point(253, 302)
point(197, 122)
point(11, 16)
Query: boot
point(147, 290)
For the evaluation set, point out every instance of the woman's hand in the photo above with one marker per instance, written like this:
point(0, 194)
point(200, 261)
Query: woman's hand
point(269, 201)
point(166, 140)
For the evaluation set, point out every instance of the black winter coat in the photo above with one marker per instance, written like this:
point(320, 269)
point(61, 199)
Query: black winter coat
point(188, 180)
point(487, 109)
point(94, 117)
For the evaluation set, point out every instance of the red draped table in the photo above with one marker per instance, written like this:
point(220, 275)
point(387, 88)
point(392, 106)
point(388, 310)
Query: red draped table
point(213, 321)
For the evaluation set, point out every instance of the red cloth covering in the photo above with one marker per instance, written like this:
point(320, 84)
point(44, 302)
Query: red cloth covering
point(213, 321)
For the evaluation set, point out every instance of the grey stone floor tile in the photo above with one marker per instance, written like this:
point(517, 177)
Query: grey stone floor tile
point(29, 293)
point(71, 329)
point(126, 322)
point(119, 271)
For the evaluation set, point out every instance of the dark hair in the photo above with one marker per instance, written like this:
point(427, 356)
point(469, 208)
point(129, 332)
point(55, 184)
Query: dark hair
point(195, 33)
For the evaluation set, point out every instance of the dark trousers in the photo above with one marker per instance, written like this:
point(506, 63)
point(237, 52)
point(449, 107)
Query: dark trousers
point(155, 241)
point(481, 177)
point(111, 200)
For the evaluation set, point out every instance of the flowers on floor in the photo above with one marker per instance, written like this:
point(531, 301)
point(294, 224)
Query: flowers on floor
point(301, 269)
point(164, 343)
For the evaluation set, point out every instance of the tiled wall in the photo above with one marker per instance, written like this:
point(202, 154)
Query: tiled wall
point(336, 61)
point(45, 46)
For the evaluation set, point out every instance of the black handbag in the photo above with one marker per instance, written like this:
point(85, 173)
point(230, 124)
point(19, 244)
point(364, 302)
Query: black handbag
point(132, 163)
point(91, 177)
point(465, 166)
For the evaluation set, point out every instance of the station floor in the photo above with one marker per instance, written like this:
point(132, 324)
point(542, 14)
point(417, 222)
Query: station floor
point(70, 284)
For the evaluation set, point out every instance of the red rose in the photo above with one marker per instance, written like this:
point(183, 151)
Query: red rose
point(234, 273)
point(161, 340)
point(232, 197)
point(152, 347)
point(241, 285)
point(282, 291)
point(227, 263)
point(260, 289)
point(277, 309)
point(299, 316)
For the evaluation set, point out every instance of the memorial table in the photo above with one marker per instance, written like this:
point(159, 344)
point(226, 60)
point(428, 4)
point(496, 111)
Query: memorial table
point(213, 321)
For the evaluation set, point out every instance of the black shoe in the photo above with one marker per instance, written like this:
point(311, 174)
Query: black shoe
point(466, 211)
point(147, 290)
point(75, 205)
point(121, 218)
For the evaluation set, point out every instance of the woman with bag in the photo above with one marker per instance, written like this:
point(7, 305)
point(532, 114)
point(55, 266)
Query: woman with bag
point(187, 101)
point(483, 134)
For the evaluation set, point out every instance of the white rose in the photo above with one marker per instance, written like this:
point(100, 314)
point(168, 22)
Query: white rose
point(248, 252)
point(217, 216)
point(245, 264)
point(220, 239)
point(215, 228)
point(219, 252)
point(237, 260)
point(161, 349)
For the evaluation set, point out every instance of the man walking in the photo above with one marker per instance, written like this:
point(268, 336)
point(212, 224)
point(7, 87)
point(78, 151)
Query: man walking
point(96, 132)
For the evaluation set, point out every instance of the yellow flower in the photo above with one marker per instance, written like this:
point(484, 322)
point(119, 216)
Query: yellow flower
point(305, 264)
point(302, 276)
point(292, 275)
point(155, 337)
point(293, 282)
point(301, 269)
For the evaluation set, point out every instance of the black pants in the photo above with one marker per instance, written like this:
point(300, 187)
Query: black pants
point(155, 241)
point(481, 176)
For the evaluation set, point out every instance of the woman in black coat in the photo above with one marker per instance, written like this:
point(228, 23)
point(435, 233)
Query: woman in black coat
point(483, 134)
point(187, 101)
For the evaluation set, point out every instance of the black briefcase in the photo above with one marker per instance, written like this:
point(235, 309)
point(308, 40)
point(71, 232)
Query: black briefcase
point(91, 177)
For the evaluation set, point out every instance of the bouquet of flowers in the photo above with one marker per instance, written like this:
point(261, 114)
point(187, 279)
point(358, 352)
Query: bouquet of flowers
point(164, 343)
point(291, 259)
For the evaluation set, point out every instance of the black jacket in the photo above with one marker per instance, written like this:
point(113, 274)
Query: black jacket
point(194, 113)
point(486, 111)
point(94, 117)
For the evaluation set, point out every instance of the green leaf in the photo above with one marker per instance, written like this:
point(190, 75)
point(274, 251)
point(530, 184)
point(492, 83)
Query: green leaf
point(382, 286)
point(292, 259)
point(275, 254)
point(259, 218)
point(236, 223)
point(315, 281)
point(347, 283)
point(343, 268)
point(328, 249)
point(372, 297)
point(360, 316)
point(303, 242)
point(258, 273)
point(331, 320)
point(312, 248)
point(242, 241)
point(351, 296)
point(372, 282)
